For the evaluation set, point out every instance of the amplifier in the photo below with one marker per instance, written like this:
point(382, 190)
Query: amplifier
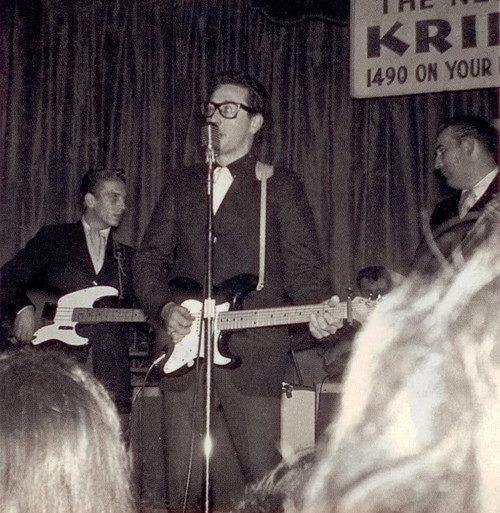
point(297, 419)
point(327, 405)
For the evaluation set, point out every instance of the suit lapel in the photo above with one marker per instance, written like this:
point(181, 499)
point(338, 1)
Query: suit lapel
point(243, 197)
point(487, 196)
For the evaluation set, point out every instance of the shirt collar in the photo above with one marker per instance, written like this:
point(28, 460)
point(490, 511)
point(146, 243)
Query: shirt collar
point(480, 188)
point(103, 233)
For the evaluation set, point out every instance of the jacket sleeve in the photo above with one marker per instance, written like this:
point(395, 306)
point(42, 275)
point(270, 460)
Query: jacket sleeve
point(307, 278)
point(18, 274)
point(153, 260)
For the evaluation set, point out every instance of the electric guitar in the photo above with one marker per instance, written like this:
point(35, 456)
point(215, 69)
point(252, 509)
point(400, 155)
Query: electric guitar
point(234, 290)
point(74, 308)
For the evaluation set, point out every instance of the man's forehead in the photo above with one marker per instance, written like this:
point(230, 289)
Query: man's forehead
point(446, 136)
point(230, 93)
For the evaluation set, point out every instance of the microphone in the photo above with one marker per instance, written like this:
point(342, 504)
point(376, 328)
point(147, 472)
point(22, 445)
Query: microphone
point(210, 140)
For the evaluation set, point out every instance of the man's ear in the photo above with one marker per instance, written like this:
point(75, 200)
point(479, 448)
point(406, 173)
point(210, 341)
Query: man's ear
point(89, 200)
point(256, 123)
point(470, 145)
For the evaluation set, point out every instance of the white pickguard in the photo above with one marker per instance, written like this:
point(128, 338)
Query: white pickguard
point(63, 327)
point(191, 346)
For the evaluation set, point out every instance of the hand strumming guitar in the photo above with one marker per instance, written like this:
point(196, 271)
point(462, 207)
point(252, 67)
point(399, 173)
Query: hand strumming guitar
point(24, 325)
point(176, 321)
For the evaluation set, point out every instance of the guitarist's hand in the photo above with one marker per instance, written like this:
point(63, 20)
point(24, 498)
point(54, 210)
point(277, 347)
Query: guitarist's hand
point(322, 326)
point(24, 325)
point(177, 321)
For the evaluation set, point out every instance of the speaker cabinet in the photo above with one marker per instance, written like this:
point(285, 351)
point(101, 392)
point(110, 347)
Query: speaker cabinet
point(327, 405)
point(297, 419)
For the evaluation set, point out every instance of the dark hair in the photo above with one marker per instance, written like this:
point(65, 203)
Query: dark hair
point(60, 438)
point(373, 273)
point(95, 177)
point(258, 97)
point(476, 127)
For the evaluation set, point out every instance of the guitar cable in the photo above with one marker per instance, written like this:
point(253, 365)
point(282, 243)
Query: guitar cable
point(198, 375)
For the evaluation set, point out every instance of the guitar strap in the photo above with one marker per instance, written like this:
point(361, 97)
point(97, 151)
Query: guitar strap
point(119, 257)
point(263, 172)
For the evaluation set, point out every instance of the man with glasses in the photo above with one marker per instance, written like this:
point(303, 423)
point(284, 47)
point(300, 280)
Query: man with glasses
point(246, 406)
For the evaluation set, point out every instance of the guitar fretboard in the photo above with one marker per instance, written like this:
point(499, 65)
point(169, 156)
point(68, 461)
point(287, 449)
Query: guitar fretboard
point(277, 316)
point(95, 315)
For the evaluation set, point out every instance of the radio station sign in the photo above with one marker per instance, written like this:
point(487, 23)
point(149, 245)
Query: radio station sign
point(421, 46)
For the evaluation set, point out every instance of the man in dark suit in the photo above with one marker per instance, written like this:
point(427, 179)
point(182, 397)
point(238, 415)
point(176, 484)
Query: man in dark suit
point(65, 258)
point(466, 155)
point(246, 403)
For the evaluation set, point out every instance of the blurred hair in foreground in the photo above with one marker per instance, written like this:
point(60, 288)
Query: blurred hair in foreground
point(418, 426)
point(60, 441)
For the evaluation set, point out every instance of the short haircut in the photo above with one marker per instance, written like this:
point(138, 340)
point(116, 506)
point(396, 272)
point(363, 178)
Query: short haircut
point(475, 127)
point(373, 273)
point(257, 95)
point(60, 438)
point(95, 177)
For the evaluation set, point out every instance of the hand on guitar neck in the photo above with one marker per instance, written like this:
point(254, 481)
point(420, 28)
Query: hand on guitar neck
point(326, 323)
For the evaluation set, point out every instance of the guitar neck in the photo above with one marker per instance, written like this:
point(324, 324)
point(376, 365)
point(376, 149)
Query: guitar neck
point(241, 319)
point(96, 315)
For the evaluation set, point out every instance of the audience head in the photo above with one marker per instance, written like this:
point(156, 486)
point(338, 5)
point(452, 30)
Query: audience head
point(416, 428)
point(60, 440)
point(466, 150)
point(282, 490)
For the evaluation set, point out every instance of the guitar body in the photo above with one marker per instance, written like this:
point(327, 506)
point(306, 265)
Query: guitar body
point(63, 327)
point(228, 295)
point(233, 292)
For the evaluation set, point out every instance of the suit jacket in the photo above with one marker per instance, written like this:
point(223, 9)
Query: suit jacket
point(57, 260)
point(447, 208)
point(174, 245)
point(448, 230)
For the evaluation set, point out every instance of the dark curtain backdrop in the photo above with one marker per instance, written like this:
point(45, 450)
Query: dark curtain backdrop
point(89, 83)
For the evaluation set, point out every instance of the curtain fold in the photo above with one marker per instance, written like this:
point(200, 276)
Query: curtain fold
point(119, 82)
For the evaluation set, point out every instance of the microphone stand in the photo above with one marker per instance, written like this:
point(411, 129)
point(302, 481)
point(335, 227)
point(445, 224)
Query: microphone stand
point(209, 319)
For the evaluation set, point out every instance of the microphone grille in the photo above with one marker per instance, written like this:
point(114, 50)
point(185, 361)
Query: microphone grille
point(210, 137)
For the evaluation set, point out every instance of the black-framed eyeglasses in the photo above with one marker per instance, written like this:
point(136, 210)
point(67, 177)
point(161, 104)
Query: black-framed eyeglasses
point(228, 110)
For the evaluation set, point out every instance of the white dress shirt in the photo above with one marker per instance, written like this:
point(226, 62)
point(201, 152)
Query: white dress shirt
point(470, 197)
point(96, 244)
point(222, 181)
